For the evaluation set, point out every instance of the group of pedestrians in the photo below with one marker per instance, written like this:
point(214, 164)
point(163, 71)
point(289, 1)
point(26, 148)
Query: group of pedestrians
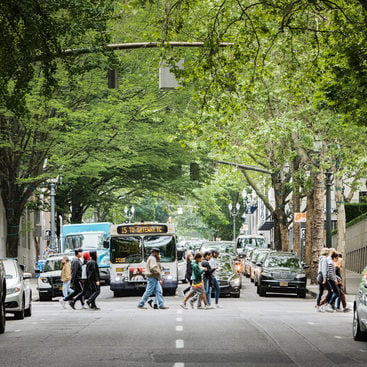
point(331, 293)
point(80, 280)
point(202, 280)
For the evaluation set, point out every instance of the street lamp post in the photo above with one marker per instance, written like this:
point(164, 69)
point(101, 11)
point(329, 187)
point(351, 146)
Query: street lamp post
point(53, 182)
point(129, 212)
point(328, 184)
point(234, 212)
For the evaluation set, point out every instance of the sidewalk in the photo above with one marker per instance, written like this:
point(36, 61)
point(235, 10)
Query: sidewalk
point(352, 285)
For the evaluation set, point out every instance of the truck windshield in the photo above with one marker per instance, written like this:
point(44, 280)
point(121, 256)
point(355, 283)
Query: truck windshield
point(126, 250)
point(166, 244)
point(86, 241)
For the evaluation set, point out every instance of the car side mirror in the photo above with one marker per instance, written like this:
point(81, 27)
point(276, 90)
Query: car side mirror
point(37, 271)
point(180, 254)
point(27, 276)
point(106, 244)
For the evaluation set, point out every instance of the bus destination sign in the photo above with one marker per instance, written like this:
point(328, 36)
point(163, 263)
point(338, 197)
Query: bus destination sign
point(142, 228)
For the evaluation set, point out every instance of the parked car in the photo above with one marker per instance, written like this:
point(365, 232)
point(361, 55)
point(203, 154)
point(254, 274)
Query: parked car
point(2, 297)
point(247, 262)
point(18, 291)
point(282, 272)
point(256, 253)
point(260, 259)
point(229, 279)
point(360, 310)
point(225, 248)
point(49, 284)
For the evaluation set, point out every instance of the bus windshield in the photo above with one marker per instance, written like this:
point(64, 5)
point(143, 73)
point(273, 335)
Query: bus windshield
point(87, 240)
point(167, 245)
point(126, 250)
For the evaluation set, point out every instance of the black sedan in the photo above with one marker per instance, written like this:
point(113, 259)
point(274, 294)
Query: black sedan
point(228, 278)
point(282, 272)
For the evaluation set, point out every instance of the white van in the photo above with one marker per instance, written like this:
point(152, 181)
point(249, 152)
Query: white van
point(248, 241)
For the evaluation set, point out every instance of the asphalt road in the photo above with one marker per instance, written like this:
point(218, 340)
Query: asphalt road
point(249, 331)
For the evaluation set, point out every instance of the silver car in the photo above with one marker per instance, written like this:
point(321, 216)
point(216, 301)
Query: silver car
point(18, 292)
point(360, 310)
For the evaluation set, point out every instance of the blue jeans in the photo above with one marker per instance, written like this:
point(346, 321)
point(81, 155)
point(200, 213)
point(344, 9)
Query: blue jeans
point(332, 296)
point(216, 289)
point(153, 287)
point(66, 290)
point(208, 290)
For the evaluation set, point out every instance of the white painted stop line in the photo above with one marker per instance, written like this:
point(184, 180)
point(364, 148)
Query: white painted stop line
point(178, 364)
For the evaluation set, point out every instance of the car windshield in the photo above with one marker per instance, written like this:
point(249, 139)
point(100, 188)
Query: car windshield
point(52, 264)
point(10, 269)
point(283, 262)
point(126, 250)
point(224, 264)
point(86, 240)
point(166, 245)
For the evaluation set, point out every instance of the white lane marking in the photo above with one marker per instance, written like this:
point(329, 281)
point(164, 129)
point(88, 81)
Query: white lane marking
point(179, 319)
point(179, 328)
point(179, 343)
point(311, 323)
point(179, 364)
point(17, 331)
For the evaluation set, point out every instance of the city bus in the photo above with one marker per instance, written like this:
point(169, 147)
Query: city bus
point(89, 237)
point(130, 246)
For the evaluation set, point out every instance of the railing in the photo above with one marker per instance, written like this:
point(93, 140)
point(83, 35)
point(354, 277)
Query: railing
point(356, 260)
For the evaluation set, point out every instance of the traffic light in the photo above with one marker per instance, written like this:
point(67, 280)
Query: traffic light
point(112, 76)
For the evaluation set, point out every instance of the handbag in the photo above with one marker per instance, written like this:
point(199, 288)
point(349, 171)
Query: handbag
point(320, 277)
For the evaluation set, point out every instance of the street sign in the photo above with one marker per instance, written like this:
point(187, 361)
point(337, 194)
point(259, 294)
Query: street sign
point(300, 217)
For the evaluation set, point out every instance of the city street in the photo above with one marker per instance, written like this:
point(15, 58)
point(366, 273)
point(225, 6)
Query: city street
point(250, 331)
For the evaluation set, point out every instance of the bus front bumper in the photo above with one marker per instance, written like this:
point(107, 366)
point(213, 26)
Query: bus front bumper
point(126, 286)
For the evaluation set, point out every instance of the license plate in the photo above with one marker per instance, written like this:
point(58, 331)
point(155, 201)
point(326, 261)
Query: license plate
point(283, 284)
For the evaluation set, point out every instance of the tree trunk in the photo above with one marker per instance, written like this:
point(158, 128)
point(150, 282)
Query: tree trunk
point(317, 225)
point(296, 208)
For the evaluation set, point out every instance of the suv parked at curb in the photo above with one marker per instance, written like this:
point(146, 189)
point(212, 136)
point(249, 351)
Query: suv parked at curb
point(49, 284)
point(360, 310)
point(2, 297)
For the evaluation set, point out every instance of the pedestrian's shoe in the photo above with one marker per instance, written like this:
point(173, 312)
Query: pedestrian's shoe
point(208, 307)
point(346, 309)
point(62, 303)
point(183, 305)
point(329, 308)
point(150, 303)
point(84, 307)
point(218, 306)
point(95, 308)
point(200, 307)
point(155, 306)
point(338, 310)
point(163, 308)
point(319, 309)
point(142, 307)
point(72, 305)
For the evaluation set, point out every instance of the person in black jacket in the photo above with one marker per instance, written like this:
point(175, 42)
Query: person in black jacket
point(208, 273)
point(93, 280)
point(76, 279)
